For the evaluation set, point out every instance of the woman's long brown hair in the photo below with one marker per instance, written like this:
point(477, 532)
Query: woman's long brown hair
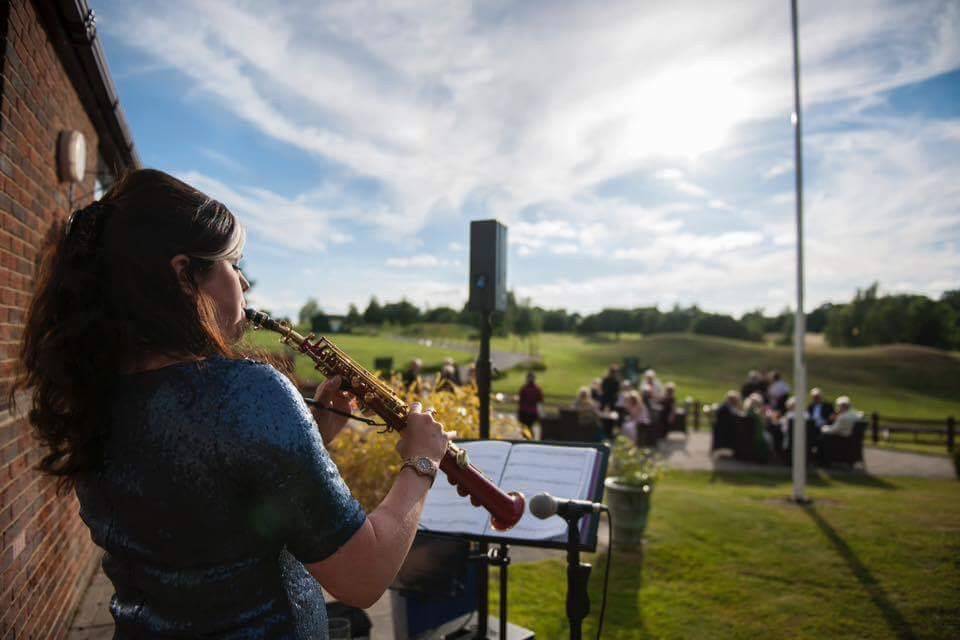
point(106, 295)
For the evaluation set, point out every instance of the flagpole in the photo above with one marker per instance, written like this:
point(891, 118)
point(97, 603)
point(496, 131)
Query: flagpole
point(799, 324)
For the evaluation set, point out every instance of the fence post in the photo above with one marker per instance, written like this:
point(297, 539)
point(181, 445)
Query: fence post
point(951, 428)
point(696, 415)
point(875, 426)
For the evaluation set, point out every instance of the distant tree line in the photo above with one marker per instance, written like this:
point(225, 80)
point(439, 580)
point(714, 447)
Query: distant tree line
point(871, 319)
point(868, 319)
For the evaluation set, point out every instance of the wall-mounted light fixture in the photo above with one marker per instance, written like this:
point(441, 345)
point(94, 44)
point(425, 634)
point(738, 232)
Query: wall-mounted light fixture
point(71, 156)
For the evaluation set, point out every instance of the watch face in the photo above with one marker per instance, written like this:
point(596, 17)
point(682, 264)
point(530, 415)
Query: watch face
point(424, 465)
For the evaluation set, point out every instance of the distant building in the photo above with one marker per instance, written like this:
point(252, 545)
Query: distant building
point(59, 117)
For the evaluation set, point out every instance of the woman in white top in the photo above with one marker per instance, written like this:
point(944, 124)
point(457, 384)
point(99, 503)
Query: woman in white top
point(638, 416)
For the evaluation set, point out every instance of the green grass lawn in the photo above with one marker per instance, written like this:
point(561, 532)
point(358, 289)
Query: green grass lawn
point(362, 349)
point(728, 557)
point(897, 380)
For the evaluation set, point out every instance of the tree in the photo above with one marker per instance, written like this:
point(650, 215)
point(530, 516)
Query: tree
point(441, 314)
point(817, 319)
point(353, 316)
point(320, 323)
point(556, 320)
point(373, 314)
point(307, 312)
point(872, 319)
point(717, 324)
point(402, 313)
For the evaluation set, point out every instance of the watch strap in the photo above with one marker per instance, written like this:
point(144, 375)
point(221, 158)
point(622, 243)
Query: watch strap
point(423, 466)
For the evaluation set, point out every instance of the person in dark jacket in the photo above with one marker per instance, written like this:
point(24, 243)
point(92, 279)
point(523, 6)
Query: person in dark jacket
point(610, 389)
point(725, 424)
point(820, 409)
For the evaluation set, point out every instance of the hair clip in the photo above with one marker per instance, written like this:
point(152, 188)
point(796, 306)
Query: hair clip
point(71, 220)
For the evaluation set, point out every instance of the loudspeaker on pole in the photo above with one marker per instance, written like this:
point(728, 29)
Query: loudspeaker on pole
point(488, 266)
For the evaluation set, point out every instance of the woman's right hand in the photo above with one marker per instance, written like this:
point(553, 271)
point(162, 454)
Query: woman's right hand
point(423, 436)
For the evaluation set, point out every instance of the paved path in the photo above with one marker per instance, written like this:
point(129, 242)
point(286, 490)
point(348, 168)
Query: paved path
point(693, 453)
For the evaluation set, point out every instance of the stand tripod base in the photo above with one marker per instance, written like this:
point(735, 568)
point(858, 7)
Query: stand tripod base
point(514, 632)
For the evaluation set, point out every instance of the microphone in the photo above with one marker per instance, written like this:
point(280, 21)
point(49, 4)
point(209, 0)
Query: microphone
point(545, 505)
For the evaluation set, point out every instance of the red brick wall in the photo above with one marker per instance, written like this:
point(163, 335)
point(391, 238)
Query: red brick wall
point(46, 556)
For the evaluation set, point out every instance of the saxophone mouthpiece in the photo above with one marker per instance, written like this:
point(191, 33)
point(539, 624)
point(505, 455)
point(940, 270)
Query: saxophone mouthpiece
point(261, 320)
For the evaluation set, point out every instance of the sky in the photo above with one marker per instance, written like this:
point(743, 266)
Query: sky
point(640, 153)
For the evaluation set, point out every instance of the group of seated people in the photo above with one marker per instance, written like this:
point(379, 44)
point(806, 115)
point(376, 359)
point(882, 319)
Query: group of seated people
point(448, 376)
point(642, 414)
point(770, 420)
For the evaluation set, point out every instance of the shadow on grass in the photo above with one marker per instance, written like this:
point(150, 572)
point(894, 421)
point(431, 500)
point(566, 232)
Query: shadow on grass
point(623, 595)
point(894, 619)
point(731, 472)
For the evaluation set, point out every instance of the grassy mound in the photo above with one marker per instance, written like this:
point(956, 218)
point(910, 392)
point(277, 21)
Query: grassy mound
point(896, 380)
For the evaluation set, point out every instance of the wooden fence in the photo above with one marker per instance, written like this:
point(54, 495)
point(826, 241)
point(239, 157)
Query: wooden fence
point(945, 428)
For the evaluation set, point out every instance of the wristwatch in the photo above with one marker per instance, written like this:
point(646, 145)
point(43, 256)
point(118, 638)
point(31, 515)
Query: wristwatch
point(423, 465)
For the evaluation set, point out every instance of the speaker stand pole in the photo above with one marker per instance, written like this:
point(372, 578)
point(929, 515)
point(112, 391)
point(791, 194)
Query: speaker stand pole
point(484, 373)
point(484, 370)
point(578, 576)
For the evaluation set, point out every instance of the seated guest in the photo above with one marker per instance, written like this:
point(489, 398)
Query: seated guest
point(450, 372)
point(586, 408)
point(778, 392)
point(756, 411)
point(411, 377)
point(620, 406)
point(763, 385)
point(786, 420)
point(820, 410)
point(610, 388)
point(595, 392)
point(843, 421)
point(725, 424)
point(668, 406)
point(752, 385)
point(652, 385)
point(646, 395)
point(636, 419)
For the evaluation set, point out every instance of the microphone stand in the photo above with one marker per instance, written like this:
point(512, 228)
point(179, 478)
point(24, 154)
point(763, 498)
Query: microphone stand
point(578, 576)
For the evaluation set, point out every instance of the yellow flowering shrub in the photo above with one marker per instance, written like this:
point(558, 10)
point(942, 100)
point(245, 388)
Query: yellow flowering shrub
point(368, 460)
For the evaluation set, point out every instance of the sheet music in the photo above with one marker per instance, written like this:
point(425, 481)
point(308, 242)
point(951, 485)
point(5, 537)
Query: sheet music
point(564, 472)
point(446, 510)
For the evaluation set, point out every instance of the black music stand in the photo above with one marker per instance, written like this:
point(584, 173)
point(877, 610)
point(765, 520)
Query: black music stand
point(578, 536)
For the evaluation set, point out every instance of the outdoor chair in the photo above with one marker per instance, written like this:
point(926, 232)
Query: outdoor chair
point(566, 427)
point(724, 434)
point(745, 442)
point(845, 449)
point(813, 435)
point(679, 422)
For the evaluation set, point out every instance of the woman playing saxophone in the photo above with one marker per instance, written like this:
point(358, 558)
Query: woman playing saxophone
point(203, 476)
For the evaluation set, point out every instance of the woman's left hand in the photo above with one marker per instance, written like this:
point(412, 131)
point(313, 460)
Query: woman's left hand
point(328, 394)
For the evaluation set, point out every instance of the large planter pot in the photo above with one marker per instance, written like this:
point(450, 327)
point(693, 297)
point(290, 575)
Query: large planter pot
point(629, 507)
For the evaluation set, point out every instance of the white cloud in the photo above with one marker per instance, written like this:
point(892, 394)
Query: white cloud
point(303, 223)
point(441, 102)
point(423, 261)
point(779, 169)
point(679, 182)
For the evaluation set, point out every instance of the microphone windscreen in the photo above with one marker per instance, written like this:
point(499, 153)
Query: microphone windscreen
point(543, 506)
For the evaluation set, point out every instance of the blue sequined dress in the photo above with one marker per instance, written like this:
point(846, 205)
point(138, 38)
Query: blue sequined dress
point(216, 489)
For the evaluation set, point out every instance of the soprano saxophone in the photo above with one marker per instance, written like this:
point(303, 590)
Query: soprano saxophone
point(373, 394)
